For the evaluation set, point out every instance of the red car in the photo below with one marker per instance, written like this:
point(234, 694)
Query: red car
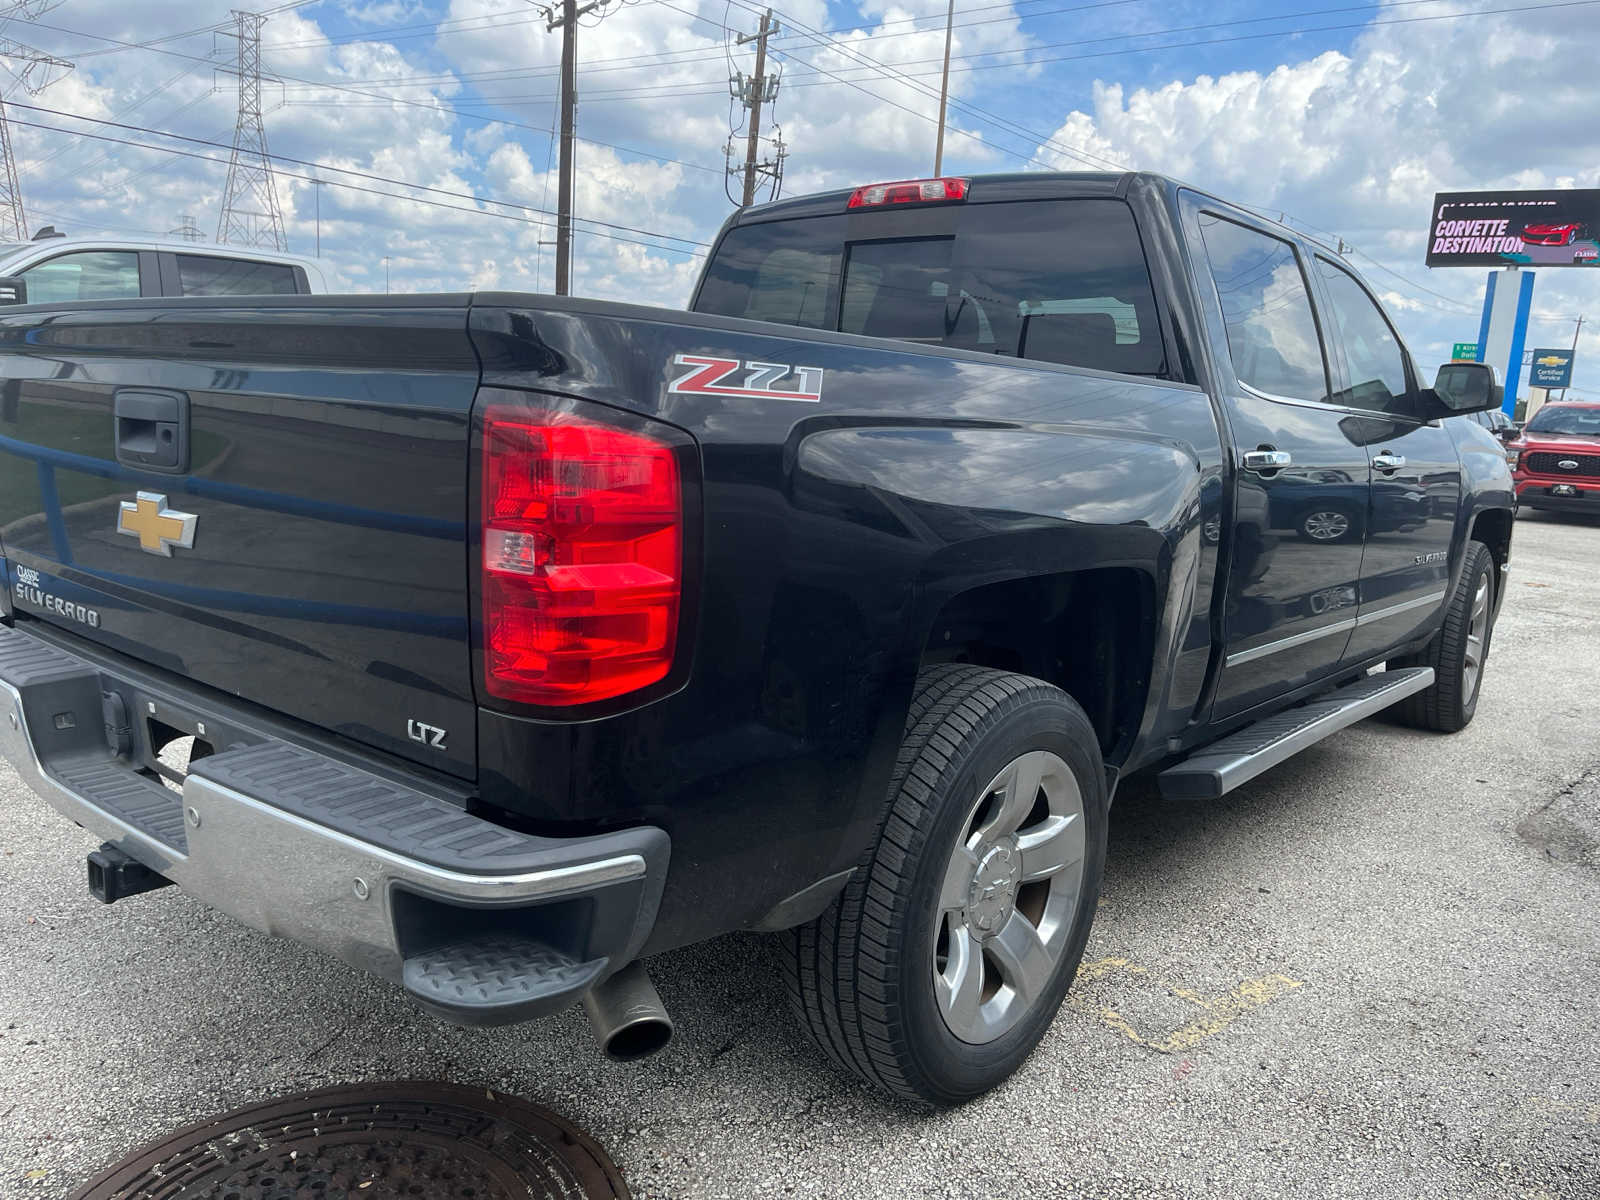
point(1552, 235)
point(1556, 462)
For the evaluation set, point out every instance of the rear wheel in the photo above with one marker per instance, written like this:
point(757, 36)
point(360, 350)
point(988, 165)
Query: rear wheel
point(1457, 653)
point(939, 968)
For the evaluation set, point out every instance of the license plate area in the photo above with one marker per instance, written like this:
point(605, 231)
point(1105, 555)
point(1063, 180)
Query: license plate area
point(159, 738)
point(172, 749)
point(1563, 489)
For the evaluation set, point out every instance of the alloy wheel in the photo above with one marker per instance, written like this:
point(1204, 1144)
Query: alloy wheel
point(1326, 525)
point(1008, 897)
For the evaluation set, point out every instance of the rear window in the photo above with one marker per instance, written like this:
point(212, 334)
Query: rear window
point(202, 275)
point(1061, 281)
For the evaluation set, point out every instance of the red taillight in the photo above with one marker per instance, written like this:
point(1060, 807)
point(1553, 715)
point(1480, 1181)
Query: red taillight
point(582, 557)
point(908, 191)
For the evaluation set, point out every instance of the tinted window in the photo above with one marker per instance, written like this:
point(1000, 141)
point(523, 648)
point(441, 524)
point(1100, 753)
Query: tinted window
point(1272, 336)
point(1371, 351)
point(204, 276)
point(1563, 418)
point(86, 275)
point(1059, 281)
point(897, 289)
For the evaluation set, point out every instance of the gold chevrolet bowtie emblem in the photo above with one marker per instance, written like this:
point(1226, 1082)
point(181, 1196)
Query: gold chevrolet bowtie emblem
point(157, 527)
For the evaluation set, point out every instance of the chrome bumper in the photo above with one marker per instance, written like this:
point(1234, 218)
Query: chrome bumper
point(296, 843)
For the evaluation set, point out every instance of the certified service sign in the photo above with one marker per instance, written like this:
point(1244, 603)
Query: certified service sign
point(1550, 369)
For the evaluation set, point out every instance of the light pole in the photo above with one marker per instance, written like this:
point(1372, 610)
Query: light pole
point(386, 261)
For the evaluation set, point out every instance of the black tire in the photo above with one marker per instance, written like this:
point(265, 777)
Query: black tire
point(860, 976)
point(1450, 703)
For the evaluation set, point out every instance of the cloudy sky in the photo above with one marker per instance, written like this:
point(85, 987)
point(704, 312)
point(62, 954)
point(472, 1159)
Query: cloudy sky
point(1345, 116)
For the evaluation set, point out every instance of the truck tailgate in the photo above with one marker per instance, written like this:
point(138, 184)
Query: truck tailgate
point(310, 554)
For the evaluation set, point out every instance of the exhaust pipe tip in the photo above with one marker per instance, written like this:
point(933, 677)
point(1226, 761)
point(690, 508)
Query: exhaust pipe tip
point(629, 1020)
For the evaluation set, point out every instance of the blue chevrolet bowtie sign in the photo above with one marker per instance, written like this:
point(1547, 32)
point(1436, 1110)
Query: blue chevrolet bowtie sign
point(1550, 369)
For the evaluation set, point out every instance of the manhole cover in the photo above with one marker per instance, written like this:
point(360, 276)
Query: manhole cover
point(388, 1141)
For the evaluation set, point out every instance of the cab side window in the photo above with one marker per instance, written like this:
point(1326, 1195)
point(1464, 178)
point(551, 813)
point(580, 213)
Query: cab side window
point(202, 275)
point(84, 275)
point(1377, 364)
point(1266, 308)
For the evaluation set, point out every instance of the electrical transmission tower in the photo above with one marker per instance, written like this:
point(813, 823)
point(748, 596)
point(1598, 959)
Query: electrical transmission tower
point(753, 91)
point(250, 213)
point(187, 229)
point(34, 71)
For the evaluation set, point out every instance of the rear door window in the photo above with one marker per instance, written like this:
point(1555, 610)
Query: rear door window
point(1061, 281)
point(1266, 309)
point(204, 275)
point(84, 275)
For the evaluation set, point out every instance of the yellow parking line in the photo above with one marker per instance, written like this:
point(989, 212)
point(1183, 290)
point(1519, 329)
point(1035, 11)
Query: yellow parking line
point(1220, 1011)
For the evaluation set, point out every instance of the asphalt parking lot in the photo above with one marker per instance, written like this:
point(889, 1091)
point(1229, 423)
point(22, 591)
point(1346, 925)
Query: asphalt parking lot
point(1375, 971)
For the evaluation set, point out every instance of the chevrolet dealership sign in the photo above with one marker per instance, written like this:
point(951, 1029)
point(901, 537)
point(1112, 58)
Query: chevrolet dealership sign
point(1550, 369)
point(1504, 229)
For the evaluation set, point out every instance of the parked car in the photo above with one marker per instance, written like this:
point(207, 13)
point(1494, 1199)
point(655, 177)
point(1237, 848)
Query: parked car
point(1496, 422)
point(519, 637)
point(61, 270)
point(1556, 459)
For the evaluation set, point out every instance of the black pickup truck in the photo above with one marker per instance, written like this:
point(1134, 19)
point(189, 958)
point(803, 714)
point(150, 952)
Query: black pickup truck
point(494, 642)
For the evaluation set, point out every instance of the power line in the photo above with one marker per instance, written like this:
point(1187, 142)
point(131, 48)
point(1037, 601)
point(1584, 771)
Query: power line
point(356, 174)
point(439, 107)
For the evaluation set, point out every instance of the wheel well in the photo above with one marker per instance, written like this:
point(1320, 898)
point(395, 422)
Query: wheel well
point(1492, 527)
point(1088, 632)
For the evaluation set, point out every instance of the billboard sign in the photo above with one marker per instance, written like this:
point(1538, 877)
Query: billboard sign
point(1550, 369)
point(1505, 229)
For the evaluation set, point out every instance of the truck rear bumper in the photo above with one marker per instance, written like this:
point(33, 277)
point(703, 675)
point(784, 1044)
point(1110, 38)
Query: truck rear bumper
point(479, 923)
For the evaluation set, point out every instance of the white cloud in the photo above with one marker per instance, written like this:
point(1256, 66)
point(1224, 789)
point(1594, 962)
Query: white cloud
point(1358, 143)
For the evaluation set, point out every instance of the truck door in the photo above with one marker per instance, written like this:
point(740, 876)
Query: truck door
point(1301, 491)
point(1416, 473)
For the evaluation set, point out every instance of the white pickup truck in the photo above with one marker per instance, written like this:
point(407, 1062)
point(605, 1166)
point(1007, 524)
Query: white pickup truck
point(54, 268)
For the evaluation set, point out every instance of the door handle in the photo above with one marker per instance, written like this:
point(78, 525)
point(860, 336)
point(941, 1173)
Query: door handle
point(1266, 460)
point(1388, 460)
point(152, 429)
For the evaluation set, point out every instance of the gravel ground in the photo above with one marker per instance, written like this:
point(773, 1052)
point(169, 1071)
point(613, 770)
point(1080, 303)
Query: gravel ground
point(1374, 971)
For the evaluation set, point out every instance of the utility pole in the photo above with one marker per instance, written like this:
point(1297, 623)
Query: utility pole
point(753, 92)
point(944, 90)
point(318, 185)
point(1576, 330)
point(567, 22)
point(386, 260)
point(250, 212)
point(35, 71)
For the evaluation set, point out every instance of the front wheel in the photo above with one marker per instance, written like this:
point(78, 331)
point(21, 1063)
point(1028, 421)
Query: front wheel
point(1457, 653)
point(941, 965)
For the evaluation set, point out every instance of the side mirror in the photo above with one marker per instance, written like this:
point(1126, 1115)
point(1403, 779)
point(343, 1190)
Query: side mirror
point(1467, 387)
point(13, 290)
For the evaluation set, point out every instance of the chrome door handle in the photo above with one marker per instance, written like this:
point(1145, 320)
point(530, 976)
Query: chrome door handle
point(1388, 461)
point(1266, 460)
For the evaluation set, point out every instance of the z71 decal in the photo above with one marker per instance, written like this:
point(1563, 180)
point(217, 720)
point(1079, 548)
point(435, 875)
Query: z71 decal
point(709, 376)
